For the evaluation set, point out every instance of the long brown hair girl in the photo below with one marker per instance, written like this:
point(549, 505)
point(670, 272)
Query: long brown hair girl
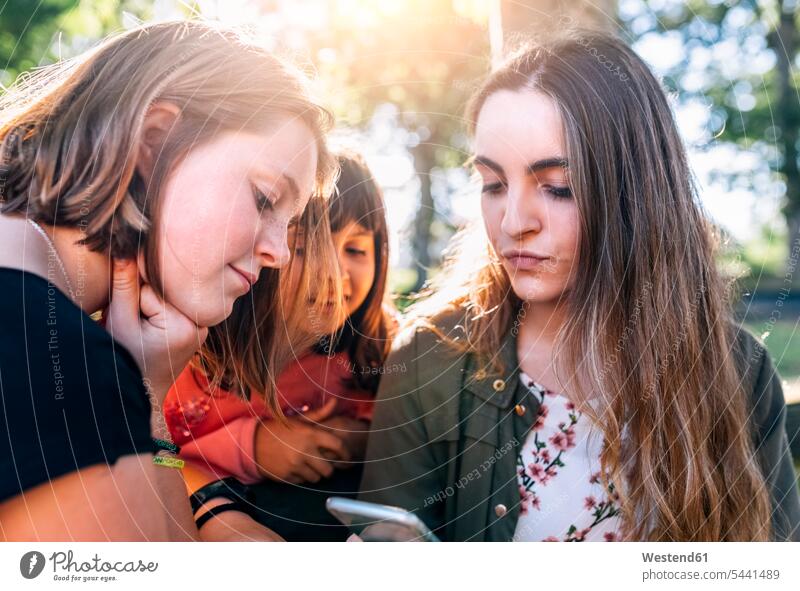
point(624, 281)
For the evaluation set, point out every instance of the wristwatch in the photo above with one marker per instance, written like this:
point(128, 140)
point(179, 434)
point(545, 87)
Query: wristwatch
point(229, 488)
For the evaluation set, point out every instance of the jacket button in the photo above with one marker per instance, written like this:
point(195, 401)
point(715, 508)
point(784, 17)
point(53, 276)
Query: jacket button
point(500, 510)
point(519, 409)
point(480, 375)
point(499, 385)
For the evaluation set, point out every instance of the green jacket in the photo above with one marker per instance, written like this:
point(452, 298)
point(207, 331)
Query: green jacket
point(445, 437)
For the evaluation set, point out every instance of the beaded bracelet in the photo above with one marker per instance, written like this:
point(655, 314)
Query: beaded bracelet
point(167, 447)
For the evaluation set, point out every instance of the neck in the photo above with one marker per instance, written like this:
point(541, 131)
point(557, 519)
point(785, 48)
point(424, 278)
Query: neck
point(89, 272)
point(542, 321)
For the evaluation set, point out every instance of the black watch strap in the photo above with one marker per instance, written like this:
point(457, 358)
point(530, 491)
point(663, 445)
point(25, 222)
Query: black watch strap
point(229, 488)
point(214, 511)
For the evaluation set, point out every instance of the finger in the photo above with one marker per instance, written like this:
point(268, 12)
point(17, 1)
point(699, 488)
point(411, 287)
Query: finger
point(320, 414)
point(322, 467)
point(161, 314)
point(123, 310)
point(332, 443)
point(308, 474)
point(293, 478)
point(150, 303)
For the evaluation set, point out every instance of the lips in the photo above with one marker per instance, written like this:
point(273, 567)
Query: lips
point(248, 279)
point(525, 260)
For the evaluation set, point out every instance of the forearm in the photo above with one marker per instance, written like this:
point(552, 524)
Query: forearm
point(228, 451)
point(230, 526)
point(233, 526)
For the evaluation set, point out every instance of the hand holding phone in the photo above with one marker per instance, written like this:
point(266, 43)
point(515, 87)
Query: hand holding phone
point(379, 523)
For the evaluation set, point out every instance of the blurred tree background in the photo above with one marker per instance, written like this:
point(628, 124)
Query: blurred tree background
point(398, 73)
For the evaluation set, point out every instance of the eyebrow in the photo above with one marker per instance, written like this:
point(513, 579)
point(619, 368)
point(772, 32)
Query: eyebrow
point(546, 163)
point(532, 168)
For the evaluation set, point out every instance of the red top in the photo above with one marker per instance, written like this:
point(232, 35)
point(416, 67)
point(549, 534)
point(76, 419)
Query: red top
point(218, 430)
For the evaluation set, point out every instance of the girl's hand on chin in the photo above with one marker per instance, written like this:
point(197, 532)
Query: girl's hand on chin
point(160, 338)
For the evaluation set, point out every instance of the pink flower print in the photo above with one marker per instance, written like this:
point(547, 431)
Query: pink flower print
point(536, 503)
point(541, 415)
point(610, 536)
point(570, 406)
point(545, 455)
point(537, 472)
point(570, 433)
point(560, 441)
point(524, 499)
point(595, 478)
point(551, 539)
point(580, 534)
point(589, 502)
point(548, 474)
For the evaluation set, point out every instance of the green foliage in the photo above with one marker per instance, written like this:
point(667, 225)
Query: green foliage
point(731, 56)
point(26, 32)
point(35, 33)
point(783, 343)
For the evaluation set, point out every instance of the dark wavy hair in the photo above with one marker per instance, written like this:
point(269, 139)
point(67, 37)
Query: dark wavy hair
point(367, 333)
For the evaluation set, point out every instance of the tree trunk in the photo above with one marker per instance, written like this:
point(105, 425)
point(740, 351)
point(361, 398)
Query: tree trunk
point(424, 161)
point(784, 43)
point(524, 18)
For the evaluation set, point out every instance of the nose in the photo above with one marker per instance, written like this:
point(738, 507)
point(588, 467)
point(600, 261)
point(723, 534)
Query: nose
point(272, 247)
point(521, 214)
point(344, 269)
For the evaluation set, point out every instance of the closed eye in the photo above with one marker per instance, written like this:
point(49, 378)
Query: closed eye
point(356, 251)
point(263, 201)
point(493, 188)
point(558, 192)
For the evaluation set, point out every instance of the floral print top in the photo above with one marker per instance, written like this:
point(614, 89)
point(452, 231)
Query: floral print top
point(558, 467)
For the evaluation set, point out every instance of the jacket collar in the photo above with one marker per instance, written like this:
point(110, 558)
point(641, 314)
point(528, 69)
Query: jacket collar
point(499, 390)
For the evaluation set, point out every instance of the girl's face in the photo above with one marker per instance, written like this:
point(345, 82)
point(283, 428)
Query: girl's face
point(225, 214)
point(355, 251)
point(529, 212)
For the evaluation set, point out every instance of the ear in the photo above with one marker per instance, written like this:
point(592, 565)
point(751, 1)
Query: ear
point(158, 120)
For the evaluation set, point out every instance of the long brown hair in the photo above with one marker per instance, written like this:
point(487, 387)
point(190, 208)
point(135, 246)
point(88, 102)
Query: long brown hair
point(648, 328)
point(69, 132)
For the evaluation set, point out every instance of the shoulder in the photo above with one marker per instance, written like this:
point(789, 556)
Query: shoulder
point(79, 396)
point(759, 380)
point(429, 360)
point(58, 334)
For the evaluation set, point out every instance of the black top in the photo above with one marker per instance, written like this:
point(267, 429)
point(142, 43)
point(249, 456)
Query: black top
point(70, 396)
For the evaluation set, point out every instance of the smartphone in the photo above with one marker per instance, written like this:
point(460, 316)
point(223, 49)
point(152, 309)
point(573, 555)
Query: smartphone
point(379, 523)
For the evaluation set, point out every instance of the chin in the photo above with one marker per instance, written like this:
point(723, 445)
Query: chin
point(205, 315)
point(533, 290)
